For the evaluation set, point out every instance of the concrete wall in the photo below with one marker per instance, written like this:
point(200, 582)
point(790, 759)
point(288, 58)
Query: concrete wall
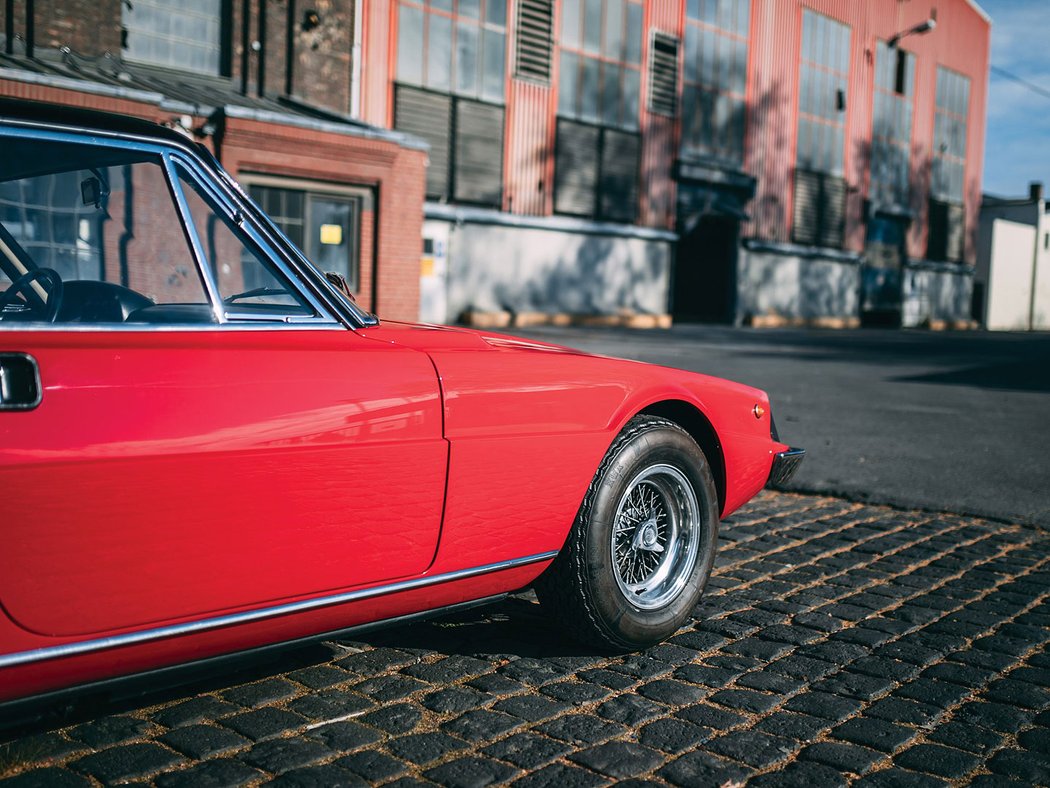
point(798, 287)
point(935, 295)
point(496, 267)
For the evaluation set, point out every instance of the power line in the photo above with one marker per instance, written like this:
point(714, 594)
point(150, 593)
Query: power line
point(1020, 80)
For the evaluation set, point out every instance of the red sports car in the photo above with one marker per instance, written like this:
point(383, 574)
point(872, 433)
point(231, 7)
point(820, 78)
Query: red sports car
point(207, 447)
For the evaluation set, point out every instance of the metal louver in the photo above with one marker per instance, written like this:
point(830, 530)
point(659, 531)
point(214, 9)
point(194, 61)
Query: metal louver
point(534, 41)
point(663, 75)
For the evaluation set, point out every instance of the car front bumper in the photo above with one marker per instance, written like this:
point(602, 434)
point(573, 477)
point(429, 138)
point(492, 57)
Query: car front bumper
point(785, 463)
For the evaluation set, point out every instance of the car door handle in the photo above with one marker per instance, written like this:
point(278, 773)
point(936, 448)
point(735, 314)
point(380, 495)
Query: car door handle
point(19, 382)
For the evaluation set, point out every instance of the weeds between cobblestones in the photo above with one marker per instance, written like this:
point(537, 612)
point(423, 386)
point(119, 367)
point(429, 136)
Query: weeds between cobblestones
point(837, 643)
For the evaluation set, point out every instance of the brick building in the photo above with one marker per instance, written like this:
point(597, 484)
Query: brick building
point(734, 160)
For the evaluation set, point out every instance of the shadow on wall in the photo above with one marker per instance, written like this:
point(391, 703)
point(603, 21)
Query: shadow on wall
point(795, 286)
point(515, 269)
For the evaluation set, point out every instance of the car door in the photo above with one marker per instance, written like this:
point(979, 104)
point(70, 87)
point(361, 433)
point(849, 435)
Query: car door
point(225, 444)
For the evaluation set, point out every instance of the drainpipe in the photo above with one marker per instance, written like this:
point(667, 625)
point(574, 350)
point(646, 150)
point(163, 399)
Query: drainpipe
point(30, 27)
point(246, 43)
point(289, 50)
point(9, 26)
point(260, 88)
point(1035, 193)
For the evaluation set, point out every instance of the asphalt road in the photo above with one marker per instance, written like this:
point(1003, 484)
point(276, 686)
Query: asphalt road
point(955, 422)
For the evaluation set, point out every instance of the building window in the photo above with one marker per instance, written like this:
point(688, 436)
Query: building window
point(891, 127)
point(597, 147)
point(185, 35)
point(451, 71)
point(820, 189)
point(949, 167)
point(715, 81)
point(600, 76)
point(324, 224)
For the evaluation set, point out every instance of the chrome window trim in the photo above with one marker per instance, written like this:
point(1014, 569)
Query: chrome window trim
point(233, 214)
point(250, 616)
point(260, 325)
point(349, 315)
point(189, 229)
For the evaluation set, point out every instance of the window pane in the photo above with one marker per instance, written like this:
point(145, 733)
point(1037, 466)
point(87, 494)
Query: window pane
point(567, 79)
point(692, 52)
point(589, 90)
point(183, 35)
point(634, 33)
point(612, 43)
point(592, 26)
point(247, 279)
point(570, 24)
point(743, 9)
point(738, 83)
point(690, 118)
point(632, 96)
point(496, 12)
point(709, 11)
point(410, 45)
point(470, 8)
point(495, 58)
point(443, 5)
point(439, 52)
point(467, 59)
point(610, 94)
point(331, 235)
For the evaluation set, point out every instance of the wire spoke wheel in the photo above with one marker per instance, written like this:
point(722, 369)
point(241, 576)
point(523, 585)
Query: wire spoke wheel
point(643, 543)
point(655, 536)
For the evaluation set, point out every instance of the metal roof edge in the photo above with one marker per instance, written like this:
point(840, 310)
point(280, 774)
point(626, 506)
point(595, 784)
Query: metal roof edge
point(81, 86)
point(980, 11)
point(335, 127)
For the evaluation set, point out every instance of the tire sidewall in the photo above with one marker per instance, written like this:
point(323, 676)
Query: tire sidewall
point(628, 623)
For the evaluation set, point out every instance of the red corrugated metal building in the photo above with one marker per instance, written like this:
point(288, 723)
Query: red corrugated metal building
point(761, 161)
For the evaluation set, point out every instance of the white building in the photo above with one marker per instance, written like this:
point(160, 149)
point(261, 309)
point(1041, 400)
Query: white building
point(1012, 281)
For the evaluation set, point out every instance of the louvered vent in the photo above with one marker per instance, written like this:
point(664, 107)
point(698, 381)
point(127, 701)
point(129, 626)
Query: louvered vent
point(429, 116)
point(663, 75)
point(534, 44)
point(820, 209)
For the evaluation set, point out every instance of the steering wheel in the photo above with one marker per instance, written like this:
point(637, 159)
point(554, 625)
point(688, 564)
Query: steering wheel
point(54, 292)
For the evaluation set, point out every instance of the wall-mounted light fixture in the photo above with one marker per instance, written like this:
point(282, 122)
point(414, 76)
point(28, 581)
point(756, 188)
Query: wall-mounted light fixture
point(923, 27)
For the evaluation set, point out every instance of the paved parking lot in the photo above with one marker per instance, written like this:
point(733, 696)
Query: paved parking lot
point(838, 642)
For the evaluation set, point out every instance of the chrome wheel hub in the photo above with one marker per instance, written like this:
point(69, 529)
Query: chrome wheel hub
point(655, 537)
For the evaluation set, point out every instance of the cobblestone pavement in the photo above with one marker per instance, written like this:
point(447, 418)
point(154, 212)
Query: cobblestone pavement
point(837, 643)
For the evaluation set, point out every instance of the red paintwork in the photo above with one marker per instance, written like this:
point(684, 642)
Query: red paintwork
point(181, 473)
point(172, 475)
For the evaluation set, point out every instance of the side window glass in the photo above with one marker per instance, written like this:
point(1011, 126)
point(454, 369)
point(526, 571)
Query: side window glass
point(90, 234)
point(250, 284)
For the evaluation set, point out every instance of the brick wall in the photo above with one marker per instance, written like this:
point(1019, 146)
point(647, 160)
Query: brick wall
point(394, 174)
point(89, 27)
point(322, 55)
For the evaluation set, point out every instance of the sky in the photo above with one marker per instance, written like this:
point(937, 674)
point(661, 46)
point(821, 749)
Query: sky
point(1017, 145)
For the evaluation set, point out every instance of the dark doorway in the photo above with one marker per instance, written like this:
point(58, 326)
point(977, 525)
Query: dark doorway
point(705, 270)
point(882, 272)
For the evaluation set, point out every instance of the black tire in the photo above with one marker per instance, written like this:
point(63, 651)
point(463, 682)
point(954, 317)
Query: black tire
point(653, 466)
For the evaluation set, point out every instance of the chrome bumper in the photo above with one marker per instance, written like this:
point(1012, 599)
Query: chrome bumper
point(785, 463)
